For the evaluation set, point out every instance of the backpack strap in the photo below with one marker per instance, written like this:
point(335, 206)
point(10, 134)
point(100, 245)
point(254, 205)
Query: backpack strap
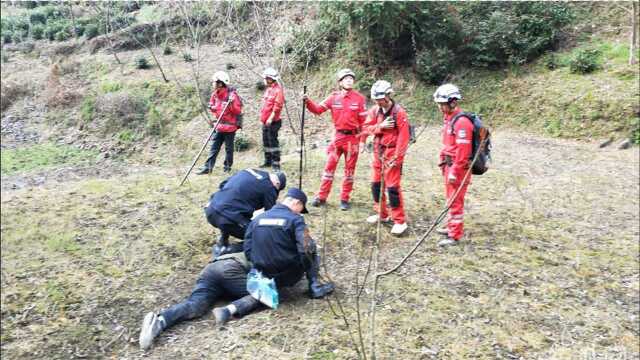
point(468, 115)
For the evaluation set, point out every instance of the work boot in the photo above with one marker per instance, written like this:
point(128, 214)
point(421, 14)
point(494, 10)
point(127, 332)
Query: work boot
point(318, 202)
point(317, 289)
point(203, 171)
point(374, 219)
point(222, 315)
point(152, 326)
point(227, 169)
point(220, 246)
point(442, 231)
point(449, 241)
point(275, 167)
point(344, 205)
point(399, 229)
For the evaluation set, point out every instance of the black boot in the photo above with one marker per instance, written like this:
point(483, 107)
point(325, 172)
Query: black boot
point(317, 290)
point(203, 171)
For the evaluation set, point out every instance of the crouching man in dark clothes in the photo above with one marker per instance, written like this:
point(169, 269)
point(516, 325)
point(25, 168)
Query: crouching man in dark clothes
point(278, 240)
point(230, 208)
point(278, 244)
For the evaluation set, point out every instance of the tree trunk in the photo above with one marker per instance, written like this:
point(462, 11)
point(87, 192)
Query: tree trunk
point(633, 43)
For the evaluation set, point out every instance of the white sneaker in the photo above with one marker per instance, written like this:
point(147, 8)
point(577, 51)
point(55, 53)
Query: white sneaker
point(152, 326)
point(399, 229)
point(374, 219)
point(442, 231)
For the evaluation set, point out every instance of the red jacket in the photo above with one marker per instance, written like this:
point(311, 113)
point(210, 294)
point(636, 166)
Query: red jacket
point(272, 101)
point(218, 101)
point(348, 109)
point(457, 143)
point(397, 137)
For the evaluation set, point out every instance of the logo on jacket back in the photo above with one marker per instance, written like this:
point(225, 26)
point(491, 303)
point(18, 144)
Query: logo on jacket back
point(272, 222)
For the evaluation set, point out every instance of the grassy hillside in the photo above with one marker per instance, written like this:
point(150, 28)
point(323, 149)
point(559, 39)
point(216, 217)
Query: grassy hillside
point(95, 231)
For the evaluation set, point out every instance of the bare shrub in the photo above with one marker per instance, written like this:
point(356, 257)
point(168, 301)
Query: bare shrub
point(56, 93)
point(11, 91)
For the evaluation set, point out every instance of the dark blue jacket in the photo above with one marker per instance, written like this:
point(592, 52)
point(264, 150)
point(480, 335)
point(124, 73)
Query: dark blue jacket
point(242, 194)
point(275, 241)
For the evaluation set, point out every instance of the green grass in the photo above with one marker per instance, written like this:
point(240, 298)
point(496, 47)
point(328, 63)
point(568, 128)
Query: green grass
point(42, 156)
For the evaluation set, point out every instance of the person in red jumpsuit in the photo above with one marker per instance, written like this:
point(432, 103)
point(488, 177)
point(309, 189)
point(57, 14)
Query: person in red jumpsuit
point(454, 159)
point(272, 103)
point(348, 113)
point(228, 124)
point(387, 123)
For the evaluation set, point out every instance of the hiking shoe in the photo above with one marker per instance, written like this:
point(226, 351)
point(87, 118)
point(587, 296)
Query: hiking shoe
point(344, 205)
point(399, 229)
point(448, 242)
point(222, 315)
point(152, 326)
point(227, 169)
point(318, 202)
point(442, 231)
point(203, 171)
point(374, 219)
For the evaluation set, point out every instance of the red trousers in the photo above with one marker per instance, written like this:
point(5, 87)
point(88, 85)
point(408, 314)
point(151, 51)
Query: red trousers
point(346, 145)
point(392, 177)
point(455, 223)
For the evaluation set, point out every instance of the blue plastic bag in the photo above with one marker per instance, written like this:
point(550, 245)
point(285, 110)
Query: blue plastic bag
point(262, 288)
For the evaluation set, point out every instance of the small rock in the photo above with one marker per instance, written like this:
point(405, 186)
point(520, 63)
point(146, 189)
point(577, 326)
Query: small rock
point(624, 145)
point(606, 143)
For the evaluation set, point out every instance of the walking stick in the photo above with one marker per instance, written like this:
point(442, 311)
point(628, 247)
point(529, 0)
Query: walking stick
point(215, 127)
point(304, 91)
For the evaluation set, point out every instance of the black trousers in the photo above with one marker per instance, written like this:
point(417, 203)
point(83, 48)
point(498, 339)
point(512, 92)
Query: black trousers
point(216, 144)
point(270, 143)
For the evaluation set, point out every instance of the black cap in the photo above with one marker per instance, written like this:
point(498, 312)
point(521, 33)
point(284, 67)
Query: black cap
point(283, 180)
point(298, 195)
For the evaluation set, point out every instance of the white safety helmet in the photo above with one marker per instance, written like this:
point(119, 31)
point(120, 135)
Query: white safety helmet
point(270, 73)
point(345, 72)
point(380, 89)
point(446, 93)
point(221, 76)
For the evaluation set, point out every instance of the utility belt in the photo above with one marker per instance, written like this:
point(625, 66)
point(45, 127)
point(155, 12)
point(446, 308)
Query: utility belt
point(347, 132)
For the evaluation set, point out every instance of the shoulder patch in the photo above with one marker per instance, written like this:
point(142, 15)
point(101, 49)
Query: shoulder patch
point(462, 133)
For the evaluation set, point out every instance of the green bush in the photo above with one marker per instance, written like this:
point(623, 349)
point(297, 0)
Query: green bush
point(142, 62)
point(79, 29)
point(501, 33)
point(187, 57)
point(91, 31)
point(38, 17)
point(55, 27)
point(433, 66)
point(62, 35)
point(6, 37)
point(241, 142)
point(167, 50)
point(53, 12)
point(585, 61)
point(260, 86)
point(87, 109)
point(37, 32)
